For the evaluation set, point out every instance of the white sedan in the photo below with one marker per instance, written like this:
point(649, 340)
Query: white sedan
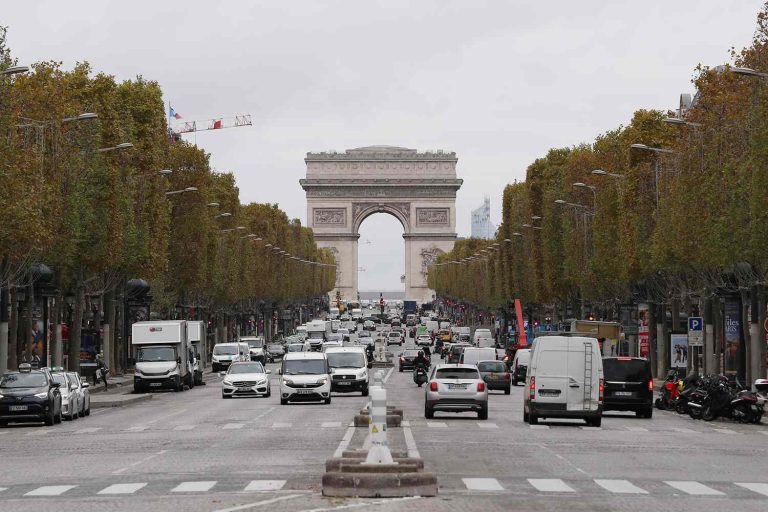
point(424, 340)
point(245, 379)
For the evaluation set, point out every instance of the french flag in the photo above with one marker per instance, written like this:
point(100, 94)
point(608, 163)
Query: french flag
point(172, 113)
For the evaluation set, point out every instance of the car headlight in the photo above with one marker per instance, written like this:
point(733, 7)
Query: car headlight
point(322, 381)
point(288, 382)
point(262, 381)
point(227, 382)
point(137, 372)
point(41, 395)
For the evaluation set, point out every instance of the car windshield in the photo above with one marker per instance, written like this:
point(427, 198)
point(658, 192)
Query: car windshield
point(410, 353)
point(626, 370)
point(23, 380)
point(59, 378)
point(246, 368)
point(457, 373)
point(224, 350)
point(255, 343)
point(275, 348)
point(304, 367)
point(491, 366)
point(296, 347)
point(149, 354)
point(346, 360)
point(72, 377)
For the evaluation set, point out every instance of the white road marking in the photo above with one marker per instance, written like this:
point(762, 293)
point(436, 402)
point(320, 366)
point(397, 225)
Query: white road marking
point(486, 425)
point(344, 442)
point(233, 426)
point(265, 485)
point(122, 488)
point(725, 431)
point(637, 429)
point(684, 430)
point(257, 418)
point(137, 428)
point(50, 490)
point(145, 459)
point(693, 488)
point(3, 489)
point(3, 432)
point(184, 427)
point(405, 423)
point(282, 425)
point(550, 485)
point(763, 432)
point(410, 442)
point(482, 484)
point(389, 373)
point(436, 424)
point(590, 428)
point(754, 487)
point(201, 486)
point(538, 427)
point(40, 432)
point(331, 424)
point(89, 430)
point(259, 503)
point(166, 416)
point(620, 486)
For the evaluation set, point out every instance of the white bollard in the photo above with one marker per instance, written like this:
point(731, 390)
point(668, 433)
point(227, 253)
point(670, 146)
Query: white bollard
point(378, 379)
point(379, 450)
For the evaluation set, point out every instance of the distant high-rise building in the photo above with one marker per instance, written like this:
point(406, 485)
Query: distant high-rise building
point(482, 227)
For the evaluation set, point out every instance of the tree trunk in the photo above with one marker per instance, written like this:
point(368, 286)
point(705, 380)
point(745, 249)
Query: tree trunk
point(58, 355)
point(29, 338)
point(75, 331)
point(110, 329)
point(3, 327)
point(13, 341)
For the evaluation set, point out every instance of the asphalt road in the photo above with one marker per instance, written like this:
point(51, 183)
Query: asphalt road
point(193, 451)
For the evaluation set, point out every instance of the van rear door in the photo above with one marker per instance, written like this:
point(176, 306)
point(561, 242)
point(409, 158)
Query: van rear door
point(552, 376)
point(583, 380)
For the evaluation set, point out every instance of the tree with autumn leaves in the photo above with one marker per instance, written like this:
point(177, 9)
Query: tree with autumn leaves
point(85, 196)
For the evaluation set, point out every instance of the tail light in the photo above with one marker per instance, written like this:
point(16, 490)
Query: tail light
point(532, 390)
point(507, 376)
point(481, 386)
point(602, 390)
point(650, 385)
point(402, 359)
point(433, 386)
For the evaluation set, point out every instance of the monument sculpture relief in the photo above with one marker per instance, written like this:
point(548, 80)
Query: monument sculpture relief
point(419, 189)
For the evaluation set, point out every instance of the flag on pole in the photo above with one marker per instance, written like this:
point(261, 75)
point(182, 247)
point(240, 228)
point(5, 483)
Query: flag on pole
point(172, 114)
point(216, 124)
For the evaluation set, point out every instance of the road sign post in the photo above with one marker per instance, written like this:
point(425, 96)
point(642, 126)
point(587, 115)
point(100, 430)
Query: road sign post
point(695, 340)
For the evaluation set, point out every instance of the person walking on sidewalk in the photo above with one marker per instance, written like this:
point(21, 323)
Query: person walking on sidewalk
point(101, 372)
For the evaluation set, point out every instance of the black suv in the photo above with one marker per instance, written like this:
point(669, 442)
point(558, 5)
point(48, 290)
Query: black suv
point(628, 385)
point(29, 395)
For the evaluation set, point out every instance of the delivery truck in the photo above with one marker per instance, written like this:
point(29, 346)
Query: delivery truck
point(197, 331)
point(162, 354)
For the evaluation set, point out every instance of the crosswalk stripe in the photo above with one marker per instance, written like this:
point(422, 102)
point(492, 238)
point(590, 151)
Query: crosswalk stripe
point(754, 487)
point(693, 488)
point(538, 427)
point(122, 488)
point(331, 424)
point(3, 489)
point(487, 425)
point(40, 432)
point(184, 427)
point(684, 430)
point(265, 485)
point(233, 426)
point(620, 486)
point(550, 485)
point(436, 424)
point(637, 429)
point(282, 425)
point(89, 430)
point(584, 427)
point(137, 428)
point(482, 484)
point(405, 423)
point(50, 490)
point(201, 486)
point(724, 431)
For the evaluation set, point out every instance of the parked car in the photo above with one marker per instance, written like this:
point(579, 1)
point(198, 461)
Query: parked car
point(565, 380)
point(496, 375)
point(406, 359)
point(70, 399)
point(305, 377)
point(456, 388)
point(246, 379)
point(628, 385)
point(519, 365)
point(83, 392)
point(29, 395)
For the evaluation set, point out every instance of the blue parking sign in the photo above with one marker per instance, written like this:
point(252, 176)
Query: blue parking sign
point(695, 323)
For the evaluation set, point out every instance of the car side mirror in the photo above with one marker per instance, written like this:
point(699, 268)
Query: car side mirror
point(86, 385)
point(269, 372)
point(221, 374)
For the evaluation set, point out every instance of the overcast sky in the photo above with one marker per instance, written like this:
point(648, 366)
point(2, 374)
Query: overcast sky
point(498, 82)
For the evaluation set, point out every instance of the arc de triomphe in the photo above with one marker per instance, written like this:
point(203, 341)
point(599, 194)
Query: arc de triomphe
point(419, 189)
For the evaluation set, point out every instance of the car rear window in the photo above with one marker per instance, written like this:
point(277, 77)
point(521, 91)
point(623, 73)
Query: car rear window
point(626, 370)
point(491, 366)
point(457, 373)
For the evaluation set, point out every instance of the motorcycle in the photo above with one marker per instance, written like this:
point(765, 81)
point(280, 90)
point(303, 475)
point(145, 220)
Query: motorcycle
point(669, 392)
point(419, 375)
point(721, 400)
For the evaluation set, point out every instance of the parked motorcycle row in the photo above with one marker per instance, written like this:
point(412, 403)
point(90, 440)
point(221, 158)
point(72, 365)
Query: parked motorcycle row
point(713, 396)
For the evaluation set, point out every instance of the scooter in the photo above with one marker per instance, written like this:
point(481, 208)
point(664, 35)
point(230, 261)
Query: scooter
point(669, 392)
point(419, 375)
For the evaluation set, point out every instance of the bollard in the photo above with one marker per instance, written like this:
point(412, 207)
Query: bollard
point(378, 379)
point(379, 451)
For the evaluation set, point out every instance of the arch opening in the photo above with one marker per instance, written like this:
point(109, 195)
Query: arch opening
point(381, 255)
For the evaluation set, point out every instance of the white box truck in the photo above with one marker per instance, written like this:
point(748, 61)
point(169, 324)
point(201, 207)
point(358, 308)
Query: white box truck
point(318, 332)
point(162, 354)
point(197, 331)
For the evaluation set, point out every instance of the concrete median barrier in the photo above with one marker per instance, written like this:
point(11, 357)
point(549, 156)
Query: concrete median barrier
point(379, 485)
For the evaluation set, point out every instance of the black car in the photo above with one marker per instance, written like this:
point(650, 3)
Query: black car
point(29, 395)
point(275, 351)
point(628, 385)
point(406, 359)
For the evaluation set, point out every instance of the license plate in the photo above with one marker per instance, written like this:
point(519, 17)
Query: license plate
point(342, 383)
point(304, 391)
point(623, 393)
point(155, 384)
point(457, 386)
point(18, 407)
point(243, 389)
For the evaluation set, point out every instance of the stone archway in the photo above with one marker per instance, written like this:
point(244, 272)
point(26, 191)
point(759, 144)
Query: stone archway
point(419, 189)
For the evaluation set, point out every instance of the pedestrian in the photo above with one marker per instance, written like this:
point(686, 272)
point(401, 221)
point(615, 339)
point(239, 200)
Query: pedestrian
point(101, 372)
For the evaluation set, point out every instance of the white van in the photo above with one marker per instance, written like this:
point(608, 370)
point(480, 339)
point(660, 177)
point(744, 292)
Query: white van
point(471, 355)
point(481, 333)
point(305, 377)
point(225, 354)
point(349, 369)
point(564, 380)
point(433, 326)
